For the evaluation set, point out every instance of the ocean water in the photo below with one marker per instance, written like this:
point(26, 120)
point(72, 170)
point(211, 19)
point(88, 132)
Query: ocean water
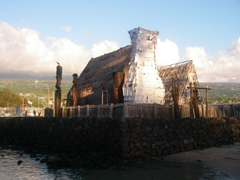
point(32, 169)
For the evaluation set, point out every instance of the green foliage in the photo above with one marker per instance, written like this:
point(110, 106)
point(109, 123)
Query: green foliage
point(9, 99)
point(222, 93)
point(34, 90)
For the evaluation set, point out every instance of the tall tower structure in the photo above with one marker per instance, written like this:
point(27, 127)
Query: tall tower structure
point(143, 84)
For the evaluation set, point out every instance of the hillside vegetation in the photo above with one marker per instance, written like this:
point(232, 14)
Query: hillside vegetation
point(222, 93)
point(35, 91)
point(9, 99)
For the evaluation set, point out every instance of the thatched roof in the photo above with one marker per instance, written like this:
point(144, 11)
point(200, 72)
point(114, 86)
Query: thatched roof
point(186, 73)
point(98, 74)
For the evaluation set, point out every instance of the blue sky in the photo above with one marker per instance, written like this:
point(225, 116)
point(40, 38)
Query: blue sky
point(208, 31)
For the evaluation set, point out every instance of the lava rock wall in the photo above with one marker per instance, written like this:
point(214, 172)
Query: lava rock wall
point(126, 138)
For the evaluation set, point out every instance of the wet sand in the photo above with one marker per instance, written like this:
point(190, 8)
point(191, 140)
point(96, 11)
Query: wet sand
point(225, 160)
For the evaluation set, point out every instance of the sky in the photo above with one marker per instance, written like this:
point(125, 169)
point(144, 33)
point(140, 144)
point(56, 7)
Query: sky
point(34, 35)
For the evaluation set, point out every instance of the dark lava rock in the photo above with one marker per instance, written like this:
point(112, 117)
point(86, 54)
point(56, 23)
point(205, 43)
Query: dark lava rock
point(53, 160)
point(104, 166)
point(189, 147)
point(33, 155)
point(125, 162)
point(19, 162)
point(81, 163)
point(43, 161)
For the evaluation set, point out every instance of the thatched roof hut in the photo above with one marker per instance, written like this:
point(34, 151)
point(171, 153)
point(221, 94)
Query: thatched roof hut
point(186, 73)
point(98, 76)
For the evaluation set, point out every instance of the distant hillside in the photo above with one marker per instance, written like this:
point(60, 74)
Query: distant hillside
point(222, 92)
point(32, 90)
point(35, 89)
point(33, 76)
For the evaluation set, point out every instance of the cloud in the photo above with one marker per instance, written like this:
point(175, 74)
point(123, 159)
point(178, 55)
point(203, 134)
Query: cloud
point(235, 49)
point(166, 53)
point(22, 50)
point(103, 46)
point(200, 59)
point(67, 28)
point(223, 68)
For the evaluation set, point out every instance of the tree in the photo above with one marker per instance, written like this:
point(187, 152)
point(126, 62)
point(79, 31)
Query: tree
point(9, 99)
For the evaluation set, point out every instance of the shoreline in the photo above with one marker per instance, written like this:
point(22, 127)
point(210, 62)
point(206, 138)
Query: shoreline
point(211, 163)
point(225, 160)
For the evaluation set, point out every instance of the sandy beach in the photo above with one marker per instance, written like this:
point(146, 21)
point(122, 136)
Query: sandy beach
point(224, 160)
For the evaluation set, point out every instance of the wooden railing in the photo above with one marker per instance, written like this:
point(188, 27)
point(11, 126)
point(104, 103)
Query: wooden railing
point(132, 110)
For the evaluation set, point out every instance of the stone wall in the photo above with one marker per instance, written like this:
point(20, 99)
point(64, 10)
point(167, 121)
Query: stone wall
point(158, 137)
point(126, 138)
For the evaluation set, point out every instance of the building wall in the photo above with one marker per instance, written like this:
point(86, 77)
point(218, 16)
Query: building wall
point(126, 138)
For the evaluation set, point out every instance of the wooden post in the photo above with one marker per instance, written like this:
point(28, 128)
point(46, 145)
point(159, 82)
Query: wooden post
point(58, 91)
point(195, 102)
point(75, 111)
point(75, 80)
point(175, 96)
point(223, 111)
point(63, 111)
point(180, 110)
point(118, 81)
point(206, 88)
point(102, 97)
point(178, 94)
point(191, 99)
point(170, 112)
point(154, 110)
point(79, 111)
point(125, 110)
point(107, 96)
point(87, 110)
point(98, 113)
point(173, 116)
point(207, 101)
point(57, 103)
point(71, 111)
point(104, 91)
point(111, 110)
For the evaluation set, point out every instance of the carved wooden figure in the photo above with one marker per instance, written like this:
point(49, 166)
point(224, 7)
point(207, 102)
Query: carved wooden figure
point(75, 80)
point(58, 91)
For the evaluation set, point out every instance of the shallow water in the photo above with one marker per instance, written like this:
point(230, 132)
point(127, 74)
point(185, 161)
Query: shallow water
point(34, 170)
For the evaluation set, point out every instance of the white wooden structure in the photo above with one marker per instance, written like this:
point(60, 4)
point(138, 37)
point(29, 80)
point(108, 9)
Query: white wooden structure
point(143, 84)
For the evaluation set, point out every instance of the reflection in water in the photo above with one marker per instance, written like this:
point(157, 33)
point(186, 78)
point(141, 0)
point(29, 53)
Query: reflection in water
point(34, 170)
point(216, 175)
point(67, 173)
point(185, 172)
point(31, 168)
